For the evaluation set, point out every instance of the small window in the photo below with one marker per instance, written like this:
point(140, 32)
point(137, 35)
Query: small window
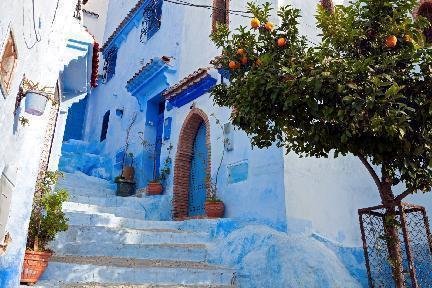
point(9, 58)
point(110, 63)
point(151, 23)
point(220, 13)
point(425, 10)
point(105, 123)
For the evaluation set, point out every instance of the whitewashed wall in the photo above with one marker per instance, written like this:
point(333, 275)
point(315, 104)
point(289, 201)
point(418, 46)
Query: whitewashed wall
point(96, 24)
point(20, 146)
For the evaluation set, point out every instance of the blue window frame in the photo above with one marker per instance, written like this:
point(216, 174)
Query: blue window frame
point(110, 63)
point(151, 22)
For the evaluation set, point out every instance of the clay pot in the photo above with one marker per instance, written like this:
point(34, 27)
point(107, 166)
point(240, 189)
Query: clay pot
point(128, 173)
point(154, 188)
point(215, 209)
point(34, 265)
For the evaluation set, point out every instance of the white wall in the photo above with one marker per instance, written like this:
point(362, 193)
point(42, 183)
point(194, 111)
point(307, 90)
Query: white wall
point(96, 24)
point(20, 147)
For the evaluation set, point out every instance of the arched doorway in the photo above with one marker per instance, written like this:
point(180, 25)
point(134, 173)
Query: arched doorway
point(192, 166)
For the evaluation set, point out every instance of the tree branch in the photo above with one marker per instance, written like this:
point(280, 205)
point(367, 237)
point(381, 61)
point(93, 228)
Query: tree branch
point(371, 172)
point(404, 194)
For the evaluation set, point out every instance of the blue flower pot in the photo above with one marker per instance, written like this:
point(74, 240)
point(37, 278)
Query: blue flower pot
point(35, 102)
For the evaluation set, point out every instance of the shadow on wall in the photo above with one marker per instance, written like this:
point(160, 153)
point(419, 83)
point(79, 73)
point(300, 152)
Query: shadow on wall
point(85, 157)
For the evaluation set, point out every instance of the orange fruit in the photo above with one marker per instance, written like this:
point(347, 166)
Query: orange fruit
point(232, 64)
point(244, 60)
point(391, 41)
point(269, 26)
point(255, 23)
point(281, 42)
point(241, 51)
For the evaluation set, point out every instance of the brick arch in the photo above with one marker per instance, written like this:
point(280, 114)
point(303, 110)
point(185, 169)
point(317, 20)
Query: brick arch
point(183, 160)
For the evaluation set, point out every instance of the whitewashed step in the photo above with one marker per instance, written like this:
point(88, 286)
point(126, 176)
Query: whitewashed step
point(58, 284)
point(131, 271)
point(91, 234)
point(110, 220)
point(92, 191)
point(110, 201)
point(162, 251)
point(79, 180)
point(127, 212)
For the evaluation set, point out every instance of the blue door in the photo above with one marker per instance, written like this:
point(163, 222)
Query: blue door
point(198, 174)
point(158, 144)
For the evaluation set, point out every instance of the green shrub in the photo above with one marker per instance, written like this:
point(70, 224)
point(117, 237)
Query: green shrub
point(47, 218)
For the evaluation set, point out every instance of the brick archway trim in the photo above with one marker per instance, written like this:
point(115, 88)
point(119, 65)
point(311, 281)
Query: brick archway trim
point(183, 160)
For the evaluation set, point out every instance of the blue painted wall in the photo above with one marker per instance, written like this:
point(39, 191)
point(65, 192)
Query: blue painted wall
point(75, 121)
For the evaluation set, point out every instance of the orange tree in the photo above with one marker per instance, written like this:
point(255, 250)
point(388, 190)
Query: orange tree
point(365, 89)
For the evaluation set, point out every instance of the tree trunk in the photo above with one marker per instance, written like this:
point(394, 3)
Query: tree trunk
point(392, 234)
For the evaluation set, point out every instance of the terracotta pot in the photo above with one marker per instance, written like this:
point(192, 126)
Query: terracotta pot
point(154, 188)
point(215, 209)
point(128, 173)
point(34, 265)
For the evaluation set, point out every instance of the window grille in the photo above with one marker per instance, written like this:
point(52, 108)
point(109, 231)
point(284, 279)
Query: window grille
point(110, 64)
point(151, 22)
point(7, 63)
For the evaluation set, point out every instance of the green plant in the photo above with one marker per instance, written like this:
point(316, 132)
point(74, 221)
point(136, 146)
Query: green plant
point(365, 90)
point(47, 218)
point(29, 85)
point(131, 157)
point(151, 149)
point(166, 169)
point(213, 189)
point(24, 121)
point(127, 143)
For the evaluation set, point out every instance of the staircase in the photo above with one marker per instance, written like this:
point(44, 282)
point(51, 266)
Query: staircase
point(110, 243)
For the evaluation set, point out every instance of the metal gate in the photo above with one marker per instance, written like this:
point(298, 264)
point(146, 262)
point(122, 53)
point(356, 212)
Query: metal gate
point(198, 174)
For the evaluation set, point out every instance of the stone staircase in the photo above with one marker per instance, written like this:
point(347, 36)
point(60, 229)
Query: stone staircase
point(110, 243)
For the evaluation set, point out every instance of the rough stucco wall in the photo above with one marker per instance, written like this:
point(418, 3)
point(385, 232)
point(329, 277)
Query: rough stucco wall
point(96, 25)
point(20, 146)
point(117, 11)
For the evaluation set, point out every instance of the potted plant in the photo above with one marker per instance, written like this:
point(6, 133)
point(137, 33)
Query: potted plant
point(128, 171)
point(155, 187)
point(125, 188)
point(214, 207)
point(47, 219)
point(36, 97)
